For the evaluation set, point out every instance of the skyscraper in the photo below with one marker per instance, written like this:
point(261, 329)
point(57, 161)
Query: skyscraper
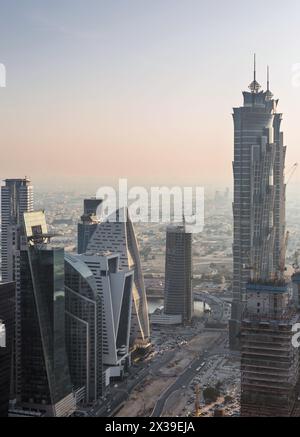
point(84, 328)
point(16, 198)
point(178, 273)
point(98, 315)
point(88, 225)
point(7, 331)
point(45, 380)
point(118, 236)
point(259, 196)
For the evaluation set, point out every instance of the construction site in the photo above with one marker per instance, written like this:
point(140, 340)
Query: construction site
point(186, 360)
point(269, 361)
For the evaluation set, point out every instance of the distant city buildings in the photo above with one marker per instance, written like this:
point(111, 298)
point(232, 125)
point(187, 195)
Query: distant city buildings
point(45, 381)
point(178, 300)
point(259, 196)
point(269, 361)
point(7, 333)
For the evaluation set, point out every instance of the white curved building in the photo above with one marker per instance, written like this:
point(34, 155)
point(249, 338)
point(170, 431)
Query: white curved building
point(118, 236)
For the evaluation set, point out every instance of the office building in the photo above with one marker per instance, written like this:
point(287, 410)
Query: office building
point(118, 236)
point(259, 196)
point(98, 315)
point(7, 332)
point(84, 329)
point(45, 380)
point(178, 297)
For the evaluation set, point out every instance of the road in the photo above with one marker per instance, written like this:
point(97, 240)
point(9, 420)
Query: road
point(184, 379)
point(119, 395)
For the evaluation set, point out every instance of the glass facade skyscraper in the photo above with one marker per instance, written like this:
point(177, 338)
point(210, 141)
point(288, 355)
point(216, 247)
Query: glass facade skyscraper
point(45, 379)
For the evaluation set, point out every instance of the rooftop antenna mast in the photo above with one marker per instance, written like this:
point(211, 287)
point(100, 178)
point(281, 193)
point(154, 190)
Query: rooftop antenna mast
point(254, 86)
point(269, 94)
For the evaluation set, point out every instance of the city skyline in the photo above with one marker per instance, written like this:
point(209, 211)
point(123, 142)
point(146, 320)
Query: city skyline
point(150, 215)
point(144, 100)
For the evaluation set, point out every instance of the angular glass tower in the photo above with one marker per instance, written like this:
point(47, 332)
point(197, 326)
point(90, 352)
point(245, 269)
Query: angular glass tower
point(259, 196)
point(45, 380)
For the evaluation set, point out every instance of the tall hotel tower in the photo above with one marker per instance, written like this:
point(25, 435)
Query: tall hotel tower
point(259, 196)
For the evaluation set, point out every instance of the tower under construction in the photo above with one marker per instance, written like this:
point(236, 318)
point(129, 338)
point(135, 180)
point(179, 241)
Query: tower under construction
point(259, 196)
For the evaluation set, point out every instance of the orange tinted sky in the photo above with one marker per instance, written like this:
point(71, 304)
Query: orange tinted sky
point(138, 89)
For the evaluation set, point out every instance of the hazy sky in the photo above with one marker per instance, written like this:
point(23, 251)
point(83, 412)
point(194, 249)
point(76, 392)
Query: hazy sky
point(142, 89)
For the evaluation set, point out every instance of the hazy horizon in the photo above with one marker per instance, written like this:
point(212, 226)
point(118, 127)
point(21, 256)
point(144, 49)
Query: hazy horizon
point(137, 89)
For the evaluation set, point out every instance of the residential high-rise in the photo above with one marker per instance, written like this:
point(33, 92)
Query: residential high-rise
point(178, 273)
point(89, 221)
point(118, 236)
point(45, 380)
point(269, 361)
point(98, 315)
point(259, 196)
point(16, 198)
point(7, 332)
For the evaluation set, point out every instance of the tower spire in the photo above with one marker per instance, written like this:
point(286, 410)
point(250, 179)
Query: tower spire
point(269, 95)
point(254, 86)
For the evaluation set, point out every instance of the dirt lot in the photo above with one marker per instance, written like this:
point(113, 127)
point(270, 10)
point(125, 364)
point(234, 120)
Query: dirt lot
point(144, 397)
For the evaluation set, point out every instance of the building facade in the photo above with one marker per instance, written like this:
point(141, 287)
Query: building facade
point(84, 328)
point(178, 298)
point(118, 236)
point(7, 332)
point(259, 196)
point(98, 316)
point(45, 379)
point(16, 198)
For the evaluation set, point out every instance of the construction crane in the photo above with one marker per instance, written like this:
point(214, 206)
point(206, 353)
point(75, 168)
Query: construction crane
point(291, 172)
point(197, 400)
point(296, 266)
point(282, 266)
